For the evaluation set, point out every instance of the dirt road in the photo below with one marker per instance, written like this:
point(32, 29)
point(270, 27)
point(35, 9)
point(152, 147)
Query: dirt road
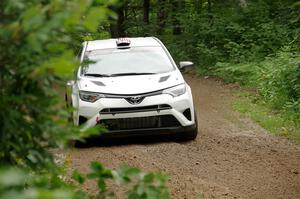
point(231, 158)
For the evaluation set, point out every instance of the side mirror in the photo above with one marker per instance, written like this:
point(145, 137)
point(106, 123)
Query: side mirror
point(185, 64)
point(70, 83)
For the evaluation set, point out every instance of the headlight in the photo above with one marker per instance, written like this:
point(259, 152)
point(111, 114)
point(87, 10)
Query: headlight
point(176, 90)
point(90, 96)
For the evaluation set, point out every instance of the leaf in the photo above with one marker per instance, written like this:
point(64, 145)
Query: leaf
point(148, 178)
point(33, 18)
point(78, 177)
point(97, 167)
point(94, 17)
point(12, 177)
point(101, 185)
point(106, 173)
point(61, 65)
point(129, 171)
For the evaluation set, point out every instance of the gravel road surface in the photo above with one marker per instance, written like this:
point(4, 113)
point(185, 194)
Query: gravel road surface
point(231, 158)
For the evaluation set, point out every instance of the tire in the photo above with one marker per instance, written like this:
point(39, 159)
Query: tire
point(191, 134)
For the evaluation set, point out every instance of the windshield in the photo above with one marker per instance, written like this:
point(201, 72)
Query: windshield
point(135, 60)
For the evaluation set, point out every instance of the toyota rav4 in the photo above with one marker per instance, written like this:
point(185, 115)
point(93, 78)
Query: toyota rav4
point(133, 87)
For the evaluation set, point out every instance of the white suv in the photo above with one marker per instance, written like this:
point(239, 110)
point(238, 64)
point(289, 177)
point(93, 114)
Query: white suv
point(133, 87)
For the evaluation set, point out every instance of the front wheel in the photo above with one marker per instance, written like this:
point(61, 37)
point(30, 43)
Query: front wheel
point(191, 134)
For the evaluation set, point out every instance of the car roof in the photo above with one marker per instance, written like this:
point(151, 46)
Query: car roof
point(111, 43)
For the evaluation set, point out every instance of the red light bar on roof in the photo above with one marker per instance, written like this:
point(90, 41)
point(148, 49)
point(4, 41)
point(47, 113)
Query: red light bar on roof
point(123, 43)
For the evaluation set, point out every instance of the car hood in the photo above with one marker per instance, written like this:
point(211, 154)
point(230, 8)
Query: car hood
point(136, 84)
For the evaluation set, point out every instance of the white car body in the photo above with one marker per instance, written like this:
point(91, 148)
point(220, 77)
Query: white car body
point(133, 103)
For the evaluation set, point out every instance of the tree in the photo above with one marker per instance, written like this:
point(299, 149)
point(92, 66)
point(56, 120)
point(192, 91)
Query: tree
point(177, 7)
point(36, 53)
point(146, 9)
point(161, 16)
point(198, 6)
point(117, 28)
point(209, 11)
point(37, 56)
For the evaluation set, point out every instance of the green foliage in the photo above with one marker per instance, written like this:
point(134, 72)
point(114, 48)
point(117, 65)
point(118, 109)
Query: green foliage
point(138, 184)
point(280, 80)
point(282, 123)
point(277, 79)
point(255, 43)
point(38, 42)
point(24, 184)
point(244, 73)
point(145, 185)
point(36, 53)
point(225, 32)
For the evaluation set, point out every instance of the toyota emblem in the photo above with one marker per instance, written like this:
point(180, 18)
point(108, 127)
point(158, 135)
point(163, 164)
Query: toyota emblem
point(135, 99)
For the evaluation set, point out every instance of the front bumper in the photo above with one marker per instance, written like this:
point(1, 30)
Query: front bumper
point(149, 132)
point(118, 108)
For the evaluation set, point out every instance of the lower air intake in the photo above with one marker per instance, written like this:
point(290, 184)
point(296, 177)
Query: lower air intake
point(141, 122)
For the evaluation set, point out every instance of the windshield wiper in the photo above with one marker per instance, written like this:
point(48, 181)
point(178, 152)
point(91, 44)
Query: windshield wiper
point(116, 74)
point(128, 74)
point(96, 75)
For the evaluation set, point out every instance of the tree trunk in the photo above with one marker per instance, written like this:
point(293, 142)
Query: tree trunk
point(209, 6)
point(120, 22)
point(117, 29)
point(161, 16)
point(209, 11)
point(176, 8)
point(198, 6)
point(146, 7)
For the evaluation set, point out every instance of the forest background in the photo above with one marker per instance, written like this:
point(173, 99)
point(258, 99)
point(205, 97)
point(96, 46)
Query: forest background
point(252, 42)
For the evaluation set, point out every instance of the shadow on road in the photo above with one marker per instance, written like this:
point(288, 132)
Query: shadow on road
point(118, 141)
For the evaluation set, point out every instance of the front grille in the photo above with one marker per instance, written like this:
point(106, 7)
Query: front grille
point(135, 109)
point(153, 93)
point(141, 122)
